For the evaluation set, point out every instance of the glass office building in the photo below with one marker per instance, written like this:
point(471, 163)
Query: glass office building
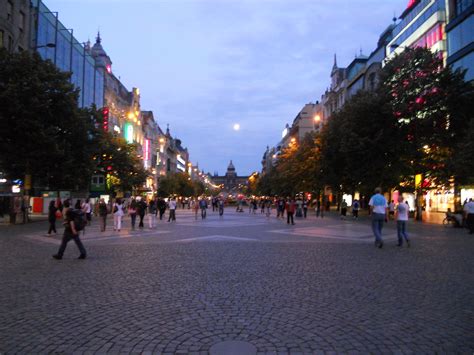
point(421, 25)
point(460, 30)
point(68, 54)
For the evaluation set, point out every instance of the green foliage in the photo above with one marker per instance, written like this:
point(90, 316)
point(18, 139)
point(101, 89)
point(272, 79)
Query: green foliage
point(419, 121)
point(360, 147)
point(432, 106)
point(43, 131)
point(179, 184)
point(119, 159)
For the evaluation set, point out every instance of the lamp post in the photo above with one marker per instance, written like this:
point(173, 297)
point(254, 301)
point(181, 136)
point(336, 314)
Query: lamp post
point(47, 45)
point(317, 121)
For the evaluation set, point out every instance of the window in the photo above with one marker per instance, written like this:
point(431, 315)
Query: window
point(2, 44)
point(462, 5)
point(10, 10)
point(461, 35)
point(21, 24)
point(10, 43)
point(431, 37)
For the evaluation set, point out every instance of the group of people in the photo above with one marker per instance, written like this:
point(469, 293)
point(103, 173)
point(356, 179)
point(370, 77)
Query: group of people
point(137, 207)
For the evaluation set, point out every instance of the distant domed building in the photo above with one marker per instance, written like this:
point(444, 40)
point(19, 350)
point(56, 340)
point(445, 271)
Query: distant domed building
point(231, 181)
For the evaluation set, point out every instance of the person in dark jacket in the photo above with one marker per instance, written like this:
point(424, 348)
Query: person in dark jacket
point(141, 210)
point(103, 211)
point(70, 233)
point(52, 217)
point(161, 207)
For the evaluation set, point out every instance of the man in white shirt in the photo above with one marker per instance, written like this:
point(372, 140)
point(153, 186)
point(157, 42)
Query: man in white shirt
point(379, 210)
point(172, 208)
point(469, 215)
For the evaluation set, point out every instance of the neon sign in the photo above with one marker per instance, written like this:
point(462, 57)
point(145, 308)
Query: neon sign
point(146, 152)
point(411, 3)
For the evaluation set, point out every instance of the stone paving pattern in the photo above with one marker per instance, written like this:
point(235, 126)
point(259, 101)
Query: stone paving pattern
point(192, 284)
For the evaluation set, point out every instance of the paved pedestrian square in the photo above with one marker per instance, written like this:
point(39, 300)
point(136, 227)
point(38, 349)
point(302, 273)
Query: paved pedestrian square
point(242, 281)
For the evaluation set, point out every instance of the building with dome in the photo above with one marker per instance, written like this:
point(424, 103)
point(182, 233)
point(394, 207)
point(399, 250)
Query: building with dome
point(231, 181)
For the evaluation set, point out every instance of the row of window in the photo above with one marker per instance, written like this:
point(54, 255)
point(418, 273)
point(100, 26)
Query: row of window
point(70, 56)
point(409, 17)
point(461, 35)
point(466, 62)
point(11, 16)
point(430, 11)
point(431, 37)
point(462, 5)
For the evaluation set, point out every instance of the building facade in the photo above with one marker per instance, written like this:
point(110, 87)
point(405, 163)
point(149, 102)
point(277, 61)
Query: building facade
point(54, 41)
point(422, 24)
point(15, 25)
point(231, 182)
point(460, 32)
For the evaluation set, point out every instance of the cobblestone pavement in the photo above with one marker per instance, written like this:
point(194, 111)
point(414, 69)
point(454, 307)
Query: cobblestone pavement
point(317, 287)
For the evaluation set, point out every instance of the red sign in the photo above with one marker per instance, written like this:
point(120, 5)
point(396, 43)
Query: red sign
point(411, 3)
point(105, 118)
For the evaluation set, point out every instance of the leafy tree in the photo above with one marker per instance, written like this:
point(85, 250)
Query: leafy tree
point(433, 107)
point(43, 131)
point(119, 160)
point(177, 184)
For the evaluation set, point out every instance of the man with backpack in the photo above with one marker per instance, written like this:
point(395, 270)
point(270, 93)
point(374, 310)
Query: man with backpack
point(74, 222)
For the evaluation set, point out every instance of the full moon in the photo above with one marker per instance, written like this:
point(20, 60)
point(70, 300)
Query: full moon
point(236, 127)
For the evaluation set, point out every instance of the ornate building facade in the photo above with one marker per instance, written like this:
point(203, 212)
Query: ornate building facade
point(230, 181)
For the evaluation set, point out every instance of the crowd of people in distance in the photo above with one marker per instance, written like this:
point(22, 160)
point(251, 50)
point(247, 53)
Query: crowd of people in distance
point(77, 216)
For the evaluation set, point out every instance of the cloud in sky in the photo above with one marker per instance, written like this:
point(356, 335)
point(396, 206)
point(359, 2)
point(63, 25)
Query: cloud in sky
point(203, 65)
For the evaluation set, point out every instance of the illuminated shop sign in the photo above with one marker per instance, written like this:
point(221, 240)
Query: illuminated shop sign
point(146, 152)
point(181, 160)
point(128, 132)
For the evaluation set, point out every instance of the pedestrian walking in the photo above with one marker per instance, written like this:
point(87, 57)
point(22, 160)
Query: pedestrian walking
point(355, 209)
point(103, 212)
point(299, 207)
point(268, 207)
point(73, 224)
point(379, 210)
point(318, 208)
point(78, 205)
point(172, 207)
point(194, 207)
point(281, 208)
point(391, 210)
point(141, 210)
point(52, 217)
point(401, 216)
point(132, 212)
point(161, 207)
point(87, 209)
point(151, 214)
point(203, 207)
point(469, 215)
point(305, 208)
point(343, 209)
point(220, 203)
point(290, 211)
point(118, 214)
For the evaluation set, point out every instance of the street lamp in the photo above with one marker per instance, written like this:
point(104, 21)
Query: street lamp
point(48, 45)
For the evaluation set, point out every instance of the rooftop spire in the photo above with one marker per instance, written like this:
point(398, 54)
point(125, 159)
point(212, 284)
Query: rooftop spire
point(335, 61)
point(98, 39)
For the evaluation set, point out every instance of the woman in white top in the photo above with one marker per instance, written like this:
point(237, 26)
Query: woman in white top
point(118, 213)
point(401, 216)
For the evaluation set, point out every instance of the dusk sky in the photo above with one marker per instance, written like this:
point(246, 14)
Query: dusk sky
point(203, 65)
